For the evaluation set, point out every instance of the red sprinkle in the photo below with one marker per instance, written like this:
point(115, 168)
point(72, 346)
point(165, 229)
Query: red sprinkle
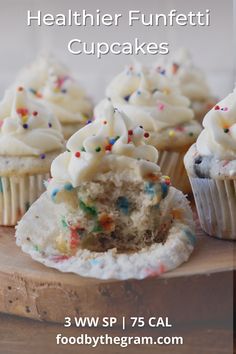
point(130, 132)
point(35, 113)
point(146, 135)
point(20, 88)
point(217, 108)
point(105, 122)
point(108, 147)
point(77, 154)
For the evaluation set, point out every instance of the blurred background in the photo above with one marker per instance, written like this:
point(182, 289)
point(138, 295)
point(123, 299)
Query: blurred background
point(212, 47)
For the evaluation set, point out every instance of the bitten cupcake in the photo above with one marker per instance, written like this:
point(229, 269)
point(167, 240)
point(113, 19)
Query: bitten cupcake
point(53, 85)
point(108, 211)
point(149, 99)
point(30, 138)
point(191, 81)
point(211, 166)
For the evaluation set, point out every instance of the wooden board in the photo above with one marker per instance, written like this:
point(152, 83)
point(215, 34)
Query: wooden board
point(201, 289)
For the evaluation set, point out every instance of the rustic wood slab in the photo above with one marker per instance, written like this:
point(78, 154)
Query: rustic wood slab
point(193, 291)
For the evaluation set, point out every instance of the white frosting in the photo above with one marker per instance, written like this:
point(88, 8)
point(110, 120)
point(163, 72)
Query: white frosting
point(102, 146)
point(189, 78)
point(27, 128)
point(219, 136)
point(148, 98)
point(52, 84)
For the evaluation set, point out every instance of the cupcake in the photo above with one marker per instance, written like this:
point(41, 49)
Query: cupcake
point(52, 84)
point(108, 211)
point(211, 166)
point(150, 100)
point(191, 81)
point(30, 138)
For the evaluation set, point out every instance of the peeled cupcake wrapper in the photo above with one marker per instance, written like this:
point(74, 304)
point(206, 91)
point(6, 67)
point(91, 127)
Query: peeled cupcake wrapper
point(17, 193)
point(36, 236)
point(216, 206)
point(172, 165)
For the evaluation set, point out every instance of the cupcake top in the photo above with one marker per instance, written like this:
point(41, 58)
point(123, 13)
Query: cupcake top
point(214, 154)
point(189, 78)
point(149, 99)
point(52, 83)
point(26, 127)
point(103, 146)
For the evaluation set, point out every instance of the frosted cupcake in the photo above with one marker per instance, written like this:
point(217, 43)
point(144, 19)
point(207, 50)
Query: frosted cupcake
point(108, 211)
point(211, 165)
point(149, 99)
point(53, 85)
point(30, 138)
point(191, 81)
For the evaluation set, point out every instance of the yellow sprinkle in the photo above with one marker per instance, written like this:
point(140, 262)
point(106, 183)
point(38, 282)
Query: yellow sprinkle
point(24, 119)
point(166, 177)
point(166, 91)
point(171, 133)
point(61, 245)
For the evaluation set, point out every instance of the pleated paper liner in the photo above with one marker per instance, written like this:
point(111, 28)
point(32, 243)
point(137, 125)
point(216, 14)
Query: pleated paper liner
point(17, 194)
point(216, 206)
point(172, 165)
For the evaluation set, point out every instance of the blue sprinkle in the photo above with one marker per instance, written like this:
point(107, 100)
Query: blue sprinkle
point(54, 193)
point(164, 188)
point(42, 156)
point(149, 189)
point(94, 261)
point(112, 141)
point(191, 237)
point(50, 125)
point(68, 187)
point(64, 91)
point(1, 186)
point(25, 126)
point(127, 98)
point(138, 92)
point(89, 121)
point(123, 204)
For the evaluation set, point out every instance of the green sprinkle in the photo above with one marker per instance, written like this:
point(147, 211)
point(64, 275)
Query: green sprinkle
point(117, 137)
point(97, 228)
point(91, 210)
point(1, 187)
point(98, 149)
point(63, 222)
point(83, 148)
point(67, 150)
point(190, 134)
point(36, 247)
point(27, 205)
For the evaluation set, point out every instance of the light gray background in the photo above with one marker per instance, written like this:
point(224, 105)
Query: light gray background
point(212, 47)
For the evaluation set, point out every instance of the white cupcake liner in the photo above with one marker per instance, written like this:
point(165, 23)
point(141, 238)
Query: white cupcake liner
point(216, 206)
point(17, 193)
point(172, 165)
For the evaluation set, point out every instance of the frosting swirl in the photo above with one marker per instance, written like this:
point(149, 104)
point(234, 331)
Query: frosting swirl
point(52, 83)
point(219, 136)
point(148, 98)
point(103, 146)
point(26, 127)
point(189, 78)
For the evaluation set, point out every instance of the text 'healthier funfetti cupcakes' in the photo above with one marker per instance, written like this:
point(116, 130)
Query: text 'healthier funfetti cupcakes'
point(150, 100)
point(52, 84)
point(211, 166)
point(30, 138)
point(191, 81)
point(108, 211)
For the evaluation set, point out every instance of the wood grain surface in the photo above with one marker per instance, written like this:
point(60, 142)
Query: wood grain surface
point(30, 289)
